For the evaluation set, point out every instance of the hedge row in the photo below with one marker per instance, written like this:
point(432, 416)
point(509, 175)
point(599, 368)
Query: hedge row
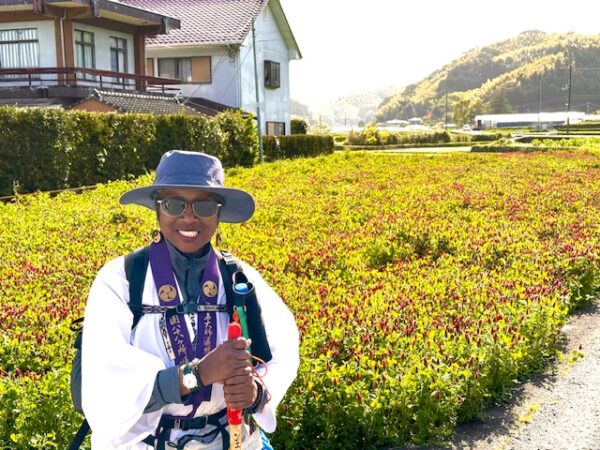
point(370, 135)
point(583, 126)
point(43, 149)
point(296, 145)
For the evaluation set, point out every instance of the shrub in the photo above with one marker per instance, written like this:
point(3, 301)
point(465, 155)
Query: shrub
point(298, 126)
point(241, 140)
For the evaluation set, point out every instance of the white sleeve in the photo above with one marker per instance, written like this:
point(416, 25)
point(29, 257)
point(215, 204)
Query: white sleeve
point(282, 335)
point(117, 378)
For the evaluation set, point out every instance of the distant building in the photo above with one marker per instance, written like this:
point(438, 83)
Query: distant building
point(544, 120)
point(396, 123)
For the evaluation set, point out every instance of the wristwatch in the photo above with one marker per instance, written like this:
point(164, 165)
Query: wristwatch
point(191, 376)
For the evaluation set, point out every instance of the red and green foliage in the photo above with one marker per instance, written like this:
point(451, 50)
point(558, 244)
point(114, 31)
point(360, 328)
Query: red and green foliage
point(423, 286)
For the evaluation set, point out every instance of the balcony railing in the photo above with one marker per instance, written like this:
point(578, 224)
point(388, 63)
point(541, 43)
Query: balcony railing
point(82, 77)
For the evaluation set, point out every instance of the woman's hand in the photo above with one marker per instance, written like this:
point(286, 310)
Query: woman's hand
point(230, 359)
point(228, 364)
point(240, 391)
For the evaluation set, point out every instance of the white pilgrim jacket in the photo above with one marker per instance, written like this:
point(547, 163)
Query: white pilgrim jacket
point(119, 366)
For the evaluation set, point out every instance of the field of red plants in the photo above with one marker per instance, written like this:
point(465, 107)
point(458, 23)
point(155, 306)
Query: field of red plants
point(424, 286)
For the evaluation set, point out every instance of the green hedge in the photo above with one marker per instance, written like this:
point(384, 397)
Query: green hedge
point(590, 127)
point(296, 146)
point(48, 149)
point(372, 136)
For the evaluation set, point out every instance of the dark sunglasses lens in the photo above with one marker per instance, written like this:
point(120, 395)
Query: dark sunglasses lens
point(173, 206)
point(205, 209)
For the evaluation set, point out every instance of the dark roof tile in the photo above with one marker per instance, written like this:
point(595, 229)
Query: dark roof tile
point(216, 22)
point(142, 103)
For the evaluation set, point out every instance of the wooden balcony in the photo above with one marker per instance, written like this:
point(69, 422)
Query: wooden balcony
point(78, 77)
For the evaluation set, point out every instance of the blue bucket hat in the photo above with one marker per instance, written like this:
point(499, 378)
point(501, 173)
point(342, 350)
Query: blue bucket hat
point(179, 169)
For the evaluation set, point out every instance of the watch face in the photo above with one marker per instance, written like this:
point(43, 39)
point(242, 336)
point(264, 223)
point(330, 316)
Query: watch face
point(189, 381)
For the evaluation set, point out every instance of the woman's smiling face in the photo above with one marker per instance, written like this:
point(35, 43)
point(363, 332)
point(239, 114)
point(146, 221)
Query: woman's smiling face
point(187, 232)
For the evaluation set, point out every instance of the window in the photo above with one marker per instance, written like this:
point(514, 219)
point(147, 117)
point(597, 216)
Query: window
point(84, 51)
point(177, 68)
point(276, 128)
point(272, 74)
point(118, 54)
point(118, 57)
point(188, 70)
point(19, 48)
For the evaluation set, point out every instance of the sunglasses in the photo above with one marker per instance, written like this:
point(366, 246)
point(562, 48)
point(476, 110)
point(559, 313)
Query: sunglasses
point(175, 207)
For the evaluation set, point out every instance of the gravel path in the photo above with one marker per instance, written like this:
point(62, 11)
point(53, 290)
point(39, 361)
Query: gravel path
point(559, 410)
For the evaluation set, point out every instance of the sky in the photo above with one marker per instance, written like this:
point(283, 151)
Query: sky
point(352, 46)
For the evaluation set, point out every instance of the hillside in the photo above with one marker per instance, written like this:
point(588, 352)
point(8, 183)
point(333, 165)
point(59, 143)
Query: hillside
point(347, 111)
point(506, 77)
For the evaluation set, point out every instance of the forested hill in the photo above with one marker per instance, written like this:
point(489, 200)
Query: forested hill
point(507, 77)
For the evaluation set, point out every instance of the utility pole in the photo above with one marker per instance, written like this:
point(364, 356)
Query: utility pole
point(446, 113)
point(569, 99)
point(260, 140)
point(539, 102)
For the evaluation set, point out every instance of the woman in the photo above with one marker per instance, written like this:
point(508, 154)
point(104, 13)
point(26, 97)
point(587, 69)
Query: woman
point(167, 382)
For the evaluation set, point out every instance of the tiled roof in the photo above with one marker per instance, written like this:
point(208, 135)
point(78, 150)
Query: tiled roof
point(216, 22)
point(206, 106)
point(141, 103)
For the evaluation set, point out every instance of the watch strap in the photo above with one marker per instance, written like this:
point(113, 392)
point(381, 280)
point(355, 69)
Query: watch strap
point(192, 368)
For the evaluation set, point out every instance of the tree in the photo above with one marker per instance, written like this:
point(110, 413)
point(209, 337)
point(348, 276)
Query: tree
point(298, 126)
point(461, 111)
point(408, 111)
point(464, 110)
point(499, 103)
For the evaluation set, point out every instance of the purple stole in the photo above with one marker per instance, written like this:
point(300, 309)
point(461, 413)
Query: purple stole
point(206, 330)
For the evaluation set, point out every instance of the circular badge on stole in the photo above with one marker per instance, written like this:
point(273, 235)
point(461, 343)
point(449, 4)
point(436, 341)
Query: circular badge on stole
point(209, 288)
point(167, 292)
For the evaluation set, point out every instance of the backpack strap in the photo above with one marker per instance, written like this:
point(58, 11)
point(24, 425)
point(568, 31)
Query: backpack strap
point(231, 272)
point(136, 266)
point(228, 265)
point(82, 432)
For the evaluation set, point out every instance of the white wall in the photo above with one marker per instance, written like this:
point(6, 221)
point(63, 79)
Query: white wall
point(225, 78)
point(274, 103)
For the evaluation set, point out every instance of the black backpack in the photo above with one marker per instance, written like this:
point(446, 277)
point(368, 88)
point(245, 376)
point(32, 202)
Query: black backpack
point(136, 264)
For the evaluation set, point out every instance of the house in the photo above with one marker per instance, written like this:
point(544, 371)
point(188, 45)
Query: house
point(227, 51)
point(57, 52)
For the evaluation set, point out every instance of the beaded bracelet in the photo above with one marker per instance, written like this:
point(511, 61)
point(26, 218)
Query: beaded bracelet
point(260, 396)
